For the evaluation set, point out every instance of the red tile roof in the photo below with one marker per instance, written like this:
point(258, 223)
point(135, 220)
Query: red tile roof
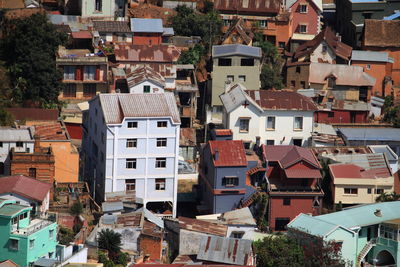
point(202, 226)
point(34, 114)
point(24, 186)
point(231, 153)
point(382, 33)
point(51, 131)
point(248, 6)
point(82, 35)
point(354, 171)
point(223, 132)
point(281, 100)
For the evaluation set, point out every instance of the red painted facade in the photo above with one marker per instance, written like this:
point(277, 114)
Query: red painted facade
point(310, 18)
point(341, 116)
point(74, 130)
point(147, 39)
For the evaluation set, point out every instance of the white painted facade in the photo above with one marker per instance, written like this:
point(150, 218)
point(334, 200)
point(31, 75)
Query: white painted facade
point(328, 56)
point(140, 88)
point(110, 166)
point(284, 132)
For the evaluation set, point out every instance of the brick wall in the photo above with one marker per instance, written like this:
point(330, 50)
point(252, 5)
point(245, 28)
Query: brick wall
point(151, 246)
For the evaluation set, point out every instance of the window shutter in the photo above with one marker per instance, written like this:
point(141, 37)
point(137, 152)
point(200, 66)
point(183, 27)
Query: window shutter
point(97, 78)
point(78, 73)
point(237, 181)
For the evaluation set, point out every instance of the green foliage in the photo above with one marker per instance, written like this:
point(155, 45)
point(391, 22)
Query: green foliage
point(261, 203)
point(122, 259)
point(270, 77)
point(386, 197)
point(103, 258)
point(77, 227)
point(193, 55)
point(6, 119)
point(208, 7)
point(110, 240)
point(29, 52)
point(76, 208)
point(392, 112)
point(65, 236)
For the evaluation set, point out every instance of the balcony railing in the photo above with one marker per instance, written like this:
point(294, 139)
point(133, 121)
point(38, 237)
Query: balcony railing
point(39, 225)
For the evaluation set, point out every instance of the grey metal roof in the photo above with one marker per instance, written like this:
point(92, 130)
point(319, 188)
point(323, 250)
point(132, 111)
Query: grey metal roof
point(116, 107)
point(112, 206)
point(225, 250)
point(385, 149)
point(365, 161)
point(371, 56)
point(43, 262)
point(235, 50)
point(147, 25)
point(235, 97)
point(323, 128)
point(240, 216)
point(168, 31)
point(111, 26)
point(12, 134)
point(370, 134)
point(109, 219)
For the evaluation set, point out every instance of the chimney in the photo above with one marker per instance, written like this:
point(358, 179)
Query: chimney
point(216, 154)
point(378, 213)
point(36, 149)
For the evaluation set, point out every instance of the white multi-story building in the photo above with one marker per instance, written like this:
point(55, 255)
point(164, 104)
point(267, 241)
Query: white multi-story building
point(276, 117)
point(131, 143)
point(21, 139)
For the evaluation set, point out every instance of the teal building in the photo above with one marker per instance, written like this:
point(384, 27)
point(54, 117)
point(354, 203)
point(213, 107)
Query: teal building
point(367, 233)
point(24, 239)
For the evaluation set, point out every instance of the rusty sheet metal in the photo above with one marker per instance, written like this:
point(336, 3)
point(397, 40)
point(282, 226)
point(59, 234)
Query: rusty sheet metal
point(202, 226)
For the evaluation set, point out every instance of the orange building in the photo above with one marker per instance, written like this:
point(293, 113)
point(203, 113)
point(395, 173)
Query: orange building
point(66, 155)
point(147, 31)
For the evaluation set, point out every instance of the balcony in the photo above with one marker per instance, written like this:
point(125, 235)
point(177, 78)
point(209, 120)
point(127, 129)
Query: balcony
point(293, 189)
point(34, 226)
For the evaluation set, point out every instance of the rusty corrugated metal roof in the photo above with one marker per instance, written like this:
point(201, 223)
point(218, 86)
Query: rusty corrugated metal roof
point(231, 153)
point(202, 226)
point(144, 73)
point(146, 53)
point(248, 6)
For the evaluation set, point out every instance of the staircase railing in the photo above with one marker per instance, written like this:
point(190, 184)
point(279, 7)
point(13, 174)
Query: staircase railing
point(365, 251)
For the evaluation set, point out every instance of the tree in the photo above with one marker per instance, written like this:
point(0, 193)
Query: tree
point(65, 236)
point(29, 52)
point(110, 241)
point(387, 197)
point(6, 119)
point(391, 112)
point(76, 208)
point(192, 56)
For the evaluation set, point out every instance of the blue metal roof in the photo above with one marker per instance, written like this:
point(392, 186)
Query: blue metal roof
point(370, 134)
point(236, 50)
point(147, 25)
point(370, 56)
point(393, 16)
point(365, 1)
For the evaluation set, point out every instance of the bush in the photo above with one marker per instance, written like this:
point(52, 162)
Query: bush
point(76, 208)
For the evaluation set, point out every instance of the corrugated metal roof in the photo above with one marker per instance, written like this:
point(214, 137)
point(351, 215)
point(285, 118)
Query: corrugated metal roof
point(231, 153)
point(370, 134)
point(12, 134)
point(168, 31)
point(116, 107)
point(370, 56)
point(312, 225)
point(225, 250)
point(111, 26)
point(202, 226)
point(142, 74)
point(235, 50)
point(147, 25)
point(241, 216)
point(112, 206)
point(34, 114)
point(385, 149)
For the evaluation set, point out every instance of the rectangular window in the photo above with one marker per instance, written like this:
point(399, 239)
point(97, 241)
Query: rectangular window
point(89, 73)
point(230, 181)
point(31, 243)
point(303, 8)
point(247, 62)
point(98, 5)
point(32, 172)
point(244, 125)
point(160, 184)
point(303, 28)
point(15, 220)
point(369, 190)
point(379, 191)
point(242, 78)
point(224, 62)
point(89, 90)
point(131, 143)
point(161, 162)
point(324, 49)
point(331, 114)
point(19, 144)
point(1, 144)
point(161, 142)
point(13, 244)
point(351, 191)
point(162, 124)
point(237, 235)
point(230, 78)
point(146, 89)
point(246, 145)
point(293, 84)
point(263, 23)
point(131, 163)
point(282, 45)
point(130, 184)
point(51, 234)
point(280, 223)
point(297, 142)
point(270, 123)
point(298, 123)
point(270, 142)
point(286, 202)
point(69, 73)
point(132, 124)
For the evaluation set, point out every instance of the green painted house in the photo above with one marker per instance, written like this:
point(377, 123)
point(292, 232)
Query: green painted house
point(367, 233)
point(24, 239)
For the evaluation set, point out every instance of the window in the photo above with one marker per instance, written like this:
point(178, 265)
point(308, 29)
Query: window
point(162, 124)
point(230, 78)
point(130, 143)
point(146, 89)
point(23, 216)
point(15, 220)
point(379, 191)
point(303, 28)
point(286, 202)
point(351, 191)
point(297, 142)
point(298, 123)
point(1, 144)
point(161, 162)
point(89, 73)
point(324, 49)
point(237, 235)
point(246, 145)
point(280, 223)
point(242, 78)
point(244, 125)
point(263, 23)
point(131, 163)
point(31, 243)
point(270, 142)
point(369, 190)
point(292, 83)
point(98, 5)
point(32, 172)
point(298, 69)
point(130, 184)
point(14, 244)
point(331, 82)
point(89, 90)
point(247, 62)
point(368, 66)
point(303, 8)
point(331, 114)
point(270, 123)
point(132, 124)
point(69, 73)
point(224, 62)
point(367, 15)
point(230, 181)
point(19, 144)
point(303, 84)
point(161, 142)
point(160, 184)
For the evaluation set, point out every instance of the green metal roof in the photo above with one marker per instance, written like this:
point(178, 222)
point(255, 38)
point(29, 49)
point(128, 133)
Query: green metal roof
point(12, 209)
point(312, 225)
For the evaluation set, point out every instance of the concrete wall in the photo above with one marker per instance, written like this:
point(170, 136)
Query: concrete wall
point(297, 76)
point(139, 88)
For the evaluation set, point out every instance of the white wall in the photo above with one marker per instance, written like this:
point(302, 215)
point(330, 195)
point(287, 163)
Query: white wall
point(138, 88)
point(329, 56)
point(44, 207)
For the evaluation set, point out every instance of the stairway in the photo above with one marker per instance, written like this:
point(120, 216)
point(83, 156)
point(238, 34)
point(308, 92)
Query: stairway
point(365, 251)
